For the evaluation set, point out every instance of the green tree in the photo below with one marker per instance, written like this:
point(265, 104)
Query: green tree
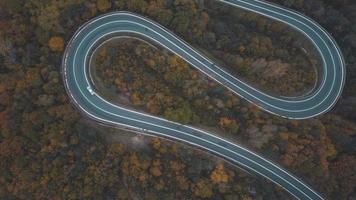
point(182, 114)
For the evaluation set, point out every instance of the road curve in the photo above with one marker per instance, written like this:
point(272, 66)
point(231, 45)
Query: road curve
point(75, 73)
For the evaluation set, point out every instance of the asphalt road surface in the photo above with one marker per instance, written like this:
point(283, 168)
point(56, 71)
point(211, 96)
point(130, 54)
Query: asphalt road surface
point(75, 71)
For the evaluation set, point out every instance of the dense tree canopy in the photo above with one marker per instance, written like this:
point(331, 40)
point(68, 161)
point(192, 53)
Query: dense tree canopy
point(48, 151)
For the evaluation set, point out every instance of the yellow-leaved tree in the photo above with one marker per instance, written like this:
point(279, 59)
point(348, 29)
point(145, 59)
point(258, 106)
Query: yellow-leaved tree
point(56, 43)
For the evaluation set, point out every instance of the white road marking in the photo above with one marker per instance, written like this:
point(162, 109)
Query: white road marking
point(203, 60)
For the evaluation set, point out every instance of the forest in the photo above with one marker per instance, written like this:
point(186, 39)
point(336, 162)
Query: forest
point(48, 150)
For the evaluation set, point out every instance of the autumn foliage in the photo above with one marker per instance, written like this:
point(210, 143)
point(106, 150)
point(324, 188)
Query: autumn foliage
point(56, 43)
point(48, 150)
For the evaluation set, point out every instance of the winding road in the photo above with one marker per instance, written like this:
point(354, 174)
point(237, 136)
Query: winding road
point(75, 71)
